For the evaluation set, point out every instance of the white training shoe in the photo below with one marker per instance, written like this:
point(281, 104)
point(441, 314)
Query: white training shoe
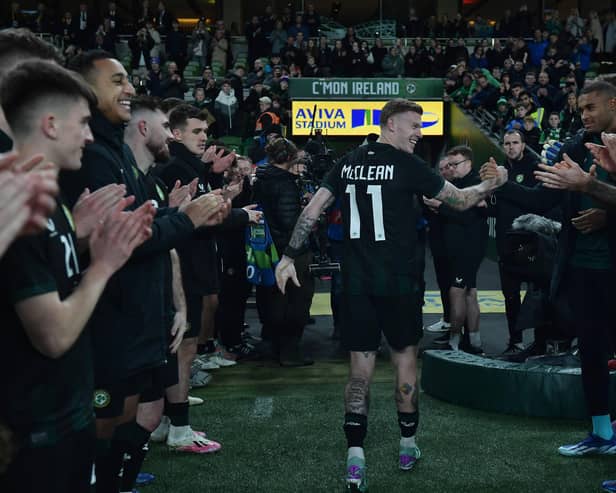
point(199, 379)
point(160, 433)
point(205, 362)
point(185, 439)
point(194, 401)
point(440, 326)
point(221, 361)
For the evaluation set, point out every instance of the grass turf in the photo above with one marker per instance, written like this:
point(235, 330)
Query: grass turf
point(301, 447)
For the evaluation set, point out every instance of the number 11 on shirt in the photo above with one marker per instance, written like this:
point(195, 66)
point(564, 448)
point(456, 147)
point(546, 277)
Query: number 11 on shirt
point(377, 212)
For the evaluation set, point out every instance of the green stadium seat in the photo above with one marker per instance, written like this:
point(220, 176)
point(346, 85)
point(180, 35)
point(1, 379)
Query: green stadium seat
point(233, 143)
point(217, 69)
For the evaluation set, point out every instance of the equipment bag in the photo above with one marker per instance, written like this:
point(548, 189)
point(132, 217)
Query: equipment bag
point(261, 254)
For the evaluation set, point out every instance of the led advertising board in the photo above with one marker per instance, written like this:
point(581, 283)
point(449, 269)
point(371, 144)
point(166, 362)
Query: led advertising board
point(355, 118)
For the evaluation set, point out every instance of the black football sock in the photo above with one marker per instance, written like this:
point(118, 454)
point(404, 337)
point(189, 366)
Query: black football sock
point(138, 438)
point(355, 428)
point(177, 412)
point(408, 423)
point(107, 469)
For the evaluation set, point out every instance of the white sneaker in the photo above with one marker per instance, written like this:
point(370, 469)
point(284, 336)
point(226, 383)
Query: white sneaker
point(199, 379)
point(194, 401)
point(205, 362)
point(160, 433)
point(221, 361)
point(440, 326)
point(185, 439)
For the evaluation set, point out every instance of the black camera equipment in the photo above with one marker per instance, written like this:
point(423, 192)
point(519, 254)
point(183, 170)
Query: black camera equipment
point(318, 160)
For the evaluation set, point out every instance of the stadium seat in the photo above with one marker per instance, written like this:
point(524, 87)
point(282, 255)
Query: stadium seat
point(233, 143)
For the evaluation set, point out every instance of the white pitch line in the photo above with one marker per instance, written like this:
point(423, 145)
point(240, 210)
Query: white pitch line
point(263, 408)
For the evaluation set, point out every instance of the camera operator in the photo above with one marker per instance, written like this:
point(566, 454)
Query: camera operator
point(277, 192)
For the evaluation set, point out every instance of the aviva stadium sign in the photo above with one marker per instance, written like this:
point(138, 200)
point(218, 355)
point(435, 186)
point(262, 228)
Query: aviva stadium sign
point(355, 118)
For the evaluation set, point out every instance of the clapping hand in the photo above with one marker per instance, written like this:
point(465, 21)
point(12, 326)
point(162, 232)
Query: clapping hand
point(92, 208)
point(605, 154)
point(566, 175)
point(182, 194)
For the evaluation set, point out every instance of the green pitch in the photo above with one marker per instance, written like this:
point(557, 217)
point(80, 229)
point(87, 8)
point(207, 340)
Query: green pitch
point(281, 431)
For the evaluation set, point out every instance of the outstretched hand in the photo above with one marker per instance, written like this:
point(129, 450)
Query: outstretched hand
point(285, 270)
point(491, 171)
point(254, 217)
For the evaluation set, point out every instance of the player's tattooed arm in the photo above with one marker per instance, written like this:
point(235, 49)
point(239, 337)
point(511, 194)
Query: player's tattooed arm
point(465, 198)
point(309, 216)
point(285, 269)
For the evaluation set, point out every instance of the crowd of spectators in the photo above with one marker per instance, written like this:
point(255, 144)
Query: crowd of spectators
point(522, 67)
point(530, 87)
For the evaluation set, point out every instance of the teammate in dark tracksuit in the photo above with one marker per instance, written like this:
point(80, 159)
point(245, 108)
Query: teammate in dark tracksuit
point(582, 286)
point(128, 326)
point(199, 258)
point(465, 235)
point(521, 166)
point(439, 254)
point(46, 297)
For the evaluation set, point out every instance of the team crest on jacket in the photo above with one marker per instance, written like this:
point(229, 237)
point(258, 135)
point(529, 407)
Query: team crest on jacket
point(519, 178)
point(101, 398)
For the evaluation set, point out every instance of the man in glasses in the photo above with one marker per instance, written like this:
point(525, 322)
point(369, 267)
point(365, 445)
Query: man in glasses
point(465, 235)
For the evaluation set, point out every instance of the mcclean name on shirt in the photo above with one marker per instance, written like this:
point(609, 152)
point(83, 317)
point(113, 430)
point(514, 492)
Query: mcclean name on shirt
point(368, 173)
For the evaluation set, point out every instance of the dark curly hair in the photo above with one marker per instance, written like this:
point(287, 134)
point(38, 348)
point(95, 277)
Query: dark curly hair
point(281, 151)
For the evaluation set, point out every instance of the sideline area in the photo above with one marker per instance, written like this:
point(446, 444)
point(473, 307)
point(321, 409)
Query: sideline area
point(281, 431)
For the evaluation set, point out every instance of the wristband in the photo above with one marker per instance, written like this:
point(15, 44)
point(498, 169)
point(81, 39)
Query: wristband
point(292, 252)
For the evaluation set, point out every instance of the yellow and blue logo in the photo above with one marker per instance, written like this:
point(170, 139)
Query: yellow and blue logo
point(348, 118)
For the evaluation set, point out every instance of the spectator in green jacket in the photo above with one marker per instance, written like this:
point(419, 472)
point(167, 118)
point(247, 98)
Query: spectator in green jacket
point(393, 63)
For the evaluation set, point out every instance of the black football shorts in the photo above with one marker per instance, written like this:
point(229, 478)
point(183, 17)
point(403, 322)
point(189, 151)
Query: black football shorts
point(366, 317)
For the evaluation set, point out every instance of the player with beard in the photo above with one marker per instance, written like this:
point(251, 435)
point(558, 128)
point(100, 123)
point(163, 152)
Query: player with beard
point(521, 165)
point(148, 134)
point(46, 299)
point(586, 257)
point(378, 184)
